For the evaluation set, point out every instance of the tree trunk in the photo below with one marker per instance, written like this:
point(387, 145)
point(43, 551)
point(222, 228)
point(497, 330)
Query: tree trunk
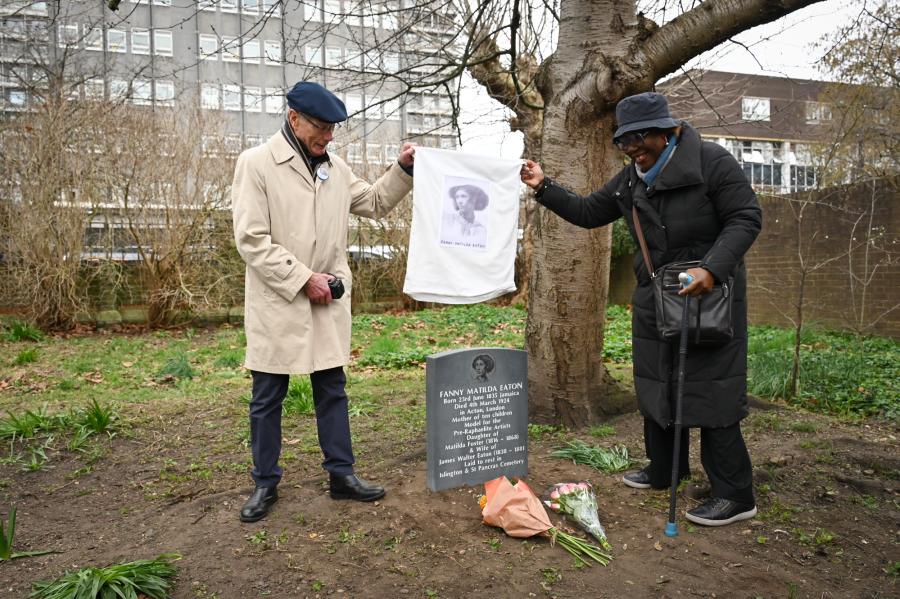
point(568, 382)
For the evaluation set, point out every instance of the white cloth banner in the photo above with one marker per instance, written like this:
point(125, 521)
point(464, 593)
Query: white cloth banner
point(462, 245)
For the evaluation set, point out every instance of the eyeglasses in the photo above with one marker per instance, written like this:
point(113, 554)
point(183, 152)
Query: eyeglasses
point(329, 128)
point(630, 139)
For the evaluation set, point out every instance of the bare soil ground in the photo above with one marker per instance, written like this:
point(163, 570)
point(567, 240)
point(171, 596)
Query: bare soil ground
point(828, 519)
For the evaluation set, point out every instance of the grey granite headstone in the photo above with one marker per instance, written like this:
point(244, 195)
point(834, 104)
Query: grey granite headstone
point(476, 416)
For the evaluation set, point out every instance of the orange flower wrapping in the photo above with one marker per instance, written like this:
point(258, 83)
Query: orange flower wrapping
point(514, 508)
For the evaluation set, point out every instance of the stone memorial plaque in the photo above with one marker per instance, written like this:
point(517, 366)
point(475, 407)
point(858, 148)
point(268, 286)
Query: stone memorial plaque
point(476, 416)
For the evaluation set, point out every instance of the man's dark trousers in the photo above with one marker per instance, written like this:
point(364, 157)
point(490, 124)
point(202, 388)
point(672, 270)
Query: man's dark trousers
point(332, 422)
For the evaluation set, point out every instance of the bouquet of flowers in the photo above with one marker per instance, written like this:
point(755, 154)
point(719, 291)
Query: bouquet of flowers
point(578, 501)
point(517, 510)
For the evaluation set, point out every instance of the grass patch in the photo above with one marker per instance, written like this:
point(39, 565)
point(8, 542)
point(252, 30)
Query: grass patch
point(840, 373)
point(299, 398)
point(178, 367)
point(602, 431)
point(26, 356)
point(19, 330)
point(152, 578)
point(609, 461)
point(617, 336)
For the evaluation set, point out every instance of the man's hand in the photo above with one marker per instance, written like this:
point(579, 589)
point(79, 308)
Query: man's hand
point(702, 283)
point(407, 155)
point(317, 289)
point(532, 174)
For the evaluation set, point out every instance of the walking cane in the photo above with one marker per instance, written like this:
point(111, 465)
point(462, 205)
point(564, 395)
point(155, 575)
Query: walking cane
point(672, 528)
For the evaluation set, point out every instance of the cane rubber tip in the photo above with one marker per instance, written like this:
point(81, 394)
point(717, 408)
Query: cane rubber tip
point(671, 529)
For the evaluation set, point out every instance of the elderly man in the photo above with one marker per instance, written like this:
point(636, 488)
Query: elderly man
point(291, 203)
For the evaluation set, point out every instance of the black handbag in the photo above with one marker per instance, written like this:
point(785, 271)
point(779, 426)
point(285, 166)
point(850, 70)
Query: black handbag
point(710, 314)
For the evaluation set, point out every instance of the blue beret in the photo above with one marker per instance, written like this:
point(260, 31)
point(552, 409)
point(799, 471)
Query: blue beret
point(311, 98)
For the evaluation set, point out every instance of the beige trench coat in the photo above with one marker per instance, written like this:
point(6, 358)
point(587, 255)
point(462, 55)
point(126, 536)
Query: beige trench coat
point(288, 226)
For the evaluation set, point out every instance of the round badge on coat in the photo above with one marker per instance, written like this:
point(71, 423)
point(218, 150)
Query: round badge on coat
point(322, 173)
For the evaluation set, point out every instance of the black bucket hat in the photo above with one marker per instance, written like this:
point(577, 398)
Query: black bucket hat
point(648, 110)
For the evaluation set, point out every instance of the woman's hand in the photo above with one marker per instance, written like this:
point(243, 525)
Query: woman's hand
point(702, 283)
point(532, 174)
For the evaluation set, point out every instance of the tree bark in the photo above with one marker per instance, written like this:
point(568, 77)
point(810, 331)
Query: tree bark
point(568, 382)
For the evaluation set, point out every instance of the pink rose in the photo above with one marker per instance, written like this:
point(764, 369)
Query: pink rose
point(554, 495)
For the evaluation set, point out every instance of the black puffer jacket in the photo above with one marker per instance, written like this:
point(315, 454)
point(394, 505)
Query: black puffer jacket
point(701, 207)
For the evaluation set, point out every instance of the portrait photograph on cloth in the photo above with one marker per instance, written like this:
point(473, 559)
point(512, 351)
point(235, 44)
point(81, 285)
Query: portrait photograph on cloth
point(465, 217)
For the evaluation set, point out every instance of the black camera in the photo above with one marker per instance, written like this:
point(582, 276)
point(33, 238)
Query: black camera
point(336, 286)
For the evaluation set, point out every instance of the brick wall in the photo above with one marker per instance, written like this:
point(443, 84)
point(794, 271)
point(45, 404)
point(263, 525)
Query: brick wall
point(828, 251)
point(852, 275)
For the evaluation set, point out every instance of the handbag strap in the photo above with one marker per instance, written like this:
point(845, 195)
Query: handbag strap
point(642, 241)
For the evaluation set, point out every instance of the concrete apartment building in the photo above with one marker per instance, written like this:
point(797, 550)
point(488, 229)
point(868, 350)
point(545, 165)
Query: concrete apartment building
point(236, 58)
point(769, 123)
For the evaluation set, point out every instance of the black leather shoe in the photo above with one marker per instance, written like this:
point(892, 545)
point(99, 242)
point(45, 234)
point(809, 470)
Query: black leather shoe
point(719, 512)
point(638, 480)
point(351, 487)
point(259, 503)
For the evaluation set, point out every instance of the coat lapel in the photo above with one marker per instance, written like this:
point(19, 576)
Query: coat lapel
point(283, 152)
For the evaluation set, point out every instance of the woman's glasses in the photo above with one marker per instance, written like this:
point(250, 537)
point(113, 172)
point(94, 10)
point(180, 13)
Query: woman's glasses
point(632, 138)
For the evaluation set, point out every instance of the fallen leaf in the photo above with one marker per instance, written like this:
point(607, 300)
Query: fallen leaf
point(658, 546)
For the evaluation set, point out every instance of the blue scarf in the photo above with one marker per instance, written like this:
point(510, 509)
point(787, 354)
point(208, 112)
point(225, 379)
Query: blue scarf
point(661, 162)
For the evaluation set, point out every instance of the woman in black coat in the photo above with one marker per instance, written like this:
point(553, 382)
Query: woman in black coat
point(694, 203)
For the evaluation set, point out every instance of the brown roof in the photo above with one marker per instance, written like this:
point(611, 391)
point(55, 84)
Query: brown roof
point(712, 101)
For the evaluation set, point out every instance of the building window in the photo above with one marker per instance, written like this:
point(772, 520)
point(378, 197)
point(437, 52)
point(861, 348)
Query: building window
point(392, 109)
point(311, 10)
point(373, 111)
point(140, 41)
point(373, 152)
point(273, 52)
point(252, 99)
point(68, 35)
point(353, 104)
point(118, 89)
point(231, 97)
point(233, 144)
point(163, 42)
point(93, 89)
point(390, 62)
point(271, 7)
point(116, 40)
point(274, 100)
point(93, 38)
point(333, 56)
point(755, 109)
point(354, 153)
point(333, 11)
point(141, 92)
point(817, 112)
point(209, 96)
point(18, 98)
point(228, 5)
point(231, 49)
point(389, 18)
point(391, 151)
point(209, 46)
point(163, 2)
point(250, 50)
point(165, 92)
point(208, 4)
point(370, 19)
point(250, 6)
point(448, 143)
point(313, 55)
point(803, 177)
